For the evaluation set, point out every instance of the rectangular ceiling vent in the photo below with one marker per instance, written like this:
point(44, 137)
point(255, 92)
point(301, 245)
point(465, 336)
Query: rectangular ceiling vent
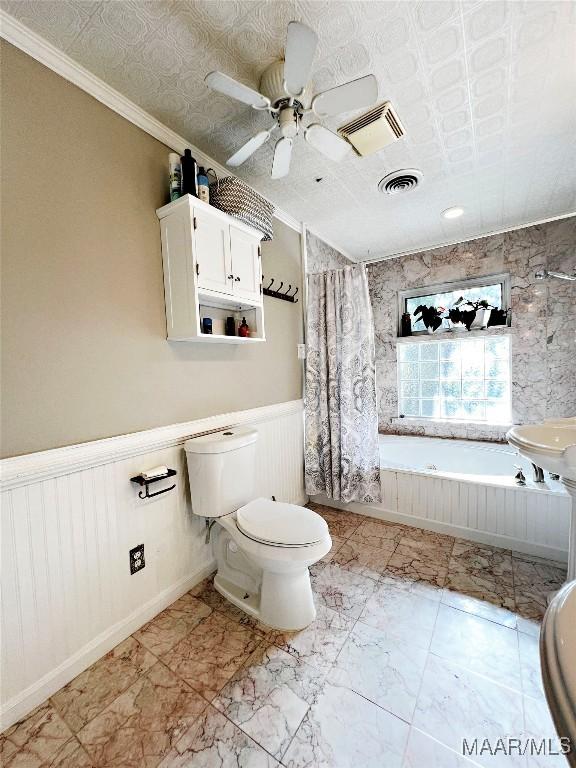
point(373, 130)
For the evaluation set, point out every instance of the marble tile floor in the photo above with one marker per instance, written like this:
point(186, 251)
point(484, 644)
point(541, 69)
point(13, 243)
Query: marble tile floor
point(420, 640)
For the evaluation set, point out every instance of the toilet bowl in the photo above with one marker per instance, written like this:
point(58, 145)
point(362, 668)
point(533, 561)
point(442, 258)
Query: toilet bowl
point(263, 548)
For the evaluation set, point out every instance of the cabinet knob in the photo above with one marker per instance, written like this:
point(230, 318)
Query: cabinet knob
point(236, 279)
point(230, 277)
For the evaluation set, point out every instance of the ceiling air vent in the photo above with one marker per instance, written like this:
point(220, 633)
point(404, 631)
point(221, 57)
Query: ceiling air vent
point(373, 130)
point(400, 181)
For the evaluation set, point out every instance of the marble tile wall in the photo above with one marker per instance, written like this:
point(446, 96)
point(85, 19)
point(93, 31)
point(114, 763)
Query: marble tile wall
point(543, 327)
point(543, 321)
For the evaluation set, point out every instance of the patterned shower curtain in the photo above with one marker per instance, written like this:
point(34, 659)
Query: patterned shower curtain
point(342, 456)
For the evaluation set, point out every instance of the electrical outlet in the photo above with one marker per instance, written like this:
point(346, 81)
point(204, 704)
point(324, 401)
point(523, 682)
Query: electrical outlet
point(137, 561)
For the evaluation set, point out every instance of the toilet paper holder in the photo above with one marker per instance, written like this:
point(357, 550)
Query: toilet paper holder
point(146, 481)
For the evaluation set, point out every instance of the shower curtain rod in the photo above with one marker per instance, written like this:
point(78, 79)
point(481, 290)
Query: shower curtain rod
point(545, 273)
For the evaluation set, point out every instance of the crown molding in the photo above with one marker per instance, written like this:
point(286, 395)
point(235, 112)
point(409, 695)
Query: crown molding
point(448, 243)
point(22, 37)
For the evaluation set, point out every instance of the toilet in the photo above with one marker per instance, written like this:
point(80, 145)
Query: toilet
point(263, 548)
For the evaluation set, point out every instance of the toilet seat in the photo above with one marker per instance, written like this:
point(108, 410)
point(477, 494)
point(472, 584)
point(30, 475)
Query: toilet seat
point(279, 524)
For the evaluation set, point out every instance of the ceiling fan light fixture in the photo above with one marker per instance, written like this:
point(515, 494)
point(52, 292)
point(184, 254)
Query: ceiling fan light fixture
point(285, 93)
point(330, 144)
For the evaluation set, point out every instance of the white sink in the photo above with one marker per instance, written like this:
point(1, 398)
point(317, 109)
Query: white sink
point(557, 656)
point(552, 446)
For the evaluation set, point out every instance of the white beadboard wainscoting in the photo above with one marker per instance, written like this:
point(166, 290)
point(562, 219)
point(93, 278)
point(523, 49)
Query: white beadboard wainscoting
point(527, 520)
point(70, 517)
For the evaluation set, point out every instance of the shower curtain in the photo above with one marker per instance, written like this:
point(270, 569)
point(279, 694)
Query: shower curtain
point(341, 452)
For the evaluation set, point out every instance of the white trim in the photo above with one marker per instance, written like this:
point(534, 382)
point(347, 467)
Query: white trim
point(331, 245)
point(284, 216)
point(44, 465)
point(39, 691)
point(22, 37)
point(448, 243)
point(459, 531)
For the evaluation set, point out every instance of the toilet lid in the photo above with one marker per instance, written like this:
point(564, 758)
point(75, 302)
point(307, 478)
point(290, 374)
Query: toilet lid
point(273, 522)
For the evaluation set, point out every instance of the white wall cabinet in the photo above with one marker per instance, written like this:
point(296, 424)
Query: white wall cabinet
point(212, 268)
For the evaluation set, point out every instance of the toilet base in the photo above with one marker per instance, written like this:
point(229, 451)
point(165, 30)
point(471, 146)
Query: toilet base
point(285, 601)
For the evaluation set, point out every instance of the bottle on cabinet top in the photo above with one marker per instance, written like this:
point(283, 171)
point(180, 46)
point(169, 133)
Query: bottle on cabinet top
point(189, 174)
point(175, 176)
point(203, 185)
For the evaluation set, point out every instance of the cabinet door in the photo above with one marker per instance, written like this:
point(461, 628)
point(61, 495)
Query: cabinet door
point(245, 263)
point(212, 252)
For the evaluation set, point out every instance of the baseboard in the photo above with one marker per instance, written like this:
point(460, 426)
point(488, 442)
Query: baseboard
point(21, 705)
point(473, 534)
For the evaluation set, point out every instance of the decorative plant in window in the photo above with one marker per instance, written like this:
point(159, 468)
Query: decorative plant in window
point(498, 317)
point(469, 313)
point(431, 316)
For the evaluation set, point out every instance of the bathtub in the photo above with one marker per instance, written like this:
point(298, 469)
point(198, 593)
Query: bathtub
point(474, 462)
point(468, 489)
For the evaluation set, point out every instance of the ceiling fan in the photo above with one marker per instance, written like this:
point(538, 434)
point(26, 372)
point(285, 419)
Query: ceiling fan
point(285, 92)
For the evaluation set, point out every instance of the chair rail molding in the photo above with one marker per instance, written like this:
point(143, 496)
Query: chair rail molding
point(22, 37)
point(45, 465)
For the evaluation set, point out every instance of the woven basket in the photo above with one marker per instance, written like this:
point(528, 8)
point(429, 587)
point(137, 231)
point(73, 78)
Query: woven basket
point(237, 199)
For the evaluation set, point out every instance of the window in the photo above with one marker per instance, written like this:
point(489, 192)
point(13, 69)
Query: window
point(494, 288)
point(465, 379)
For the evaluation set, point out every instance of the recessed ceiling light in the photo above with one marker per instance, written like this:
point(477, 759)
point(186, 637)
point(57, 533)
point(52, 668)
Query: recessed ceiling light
point(453, 213)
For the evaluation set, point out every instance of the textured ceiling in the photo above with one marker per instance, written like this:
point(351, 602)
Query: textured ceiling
point(486, 91)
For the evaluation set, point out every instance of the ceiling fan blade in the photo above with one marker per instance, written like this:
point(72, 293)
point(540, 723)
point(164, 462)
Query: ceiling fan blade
point(225, 84)
point(248, 149)
point(331, 145)
point(301, 42)
point(282, 154)
point(344, 98)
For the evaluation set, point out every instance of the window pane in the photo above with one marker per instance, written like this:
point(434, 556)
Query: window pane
point(428, 370)
point(451, 389)
point(408, 370)
point(465, 379)
point(497, 347)
point(409, 389)
point(497, 389)
point(430, 408)
point(428, 351)
point(450, 370)
point(429, 389)
point(409, 407)
point(473, 409)
point(449, 350)
point(496, 369)
point(408, 353)
point(472, 369)
point(491, 293)
point(451, 409)
point(473, 388)
point(498, 411)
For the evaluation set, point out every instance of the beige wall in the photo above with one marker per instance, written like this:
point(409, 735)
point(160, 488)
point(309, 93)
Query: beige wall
point(84, 353)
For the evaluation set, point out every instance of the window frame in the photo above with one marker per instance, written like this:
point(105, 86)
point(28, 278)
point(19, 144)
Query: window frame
point(444, 420)
point(502, 278)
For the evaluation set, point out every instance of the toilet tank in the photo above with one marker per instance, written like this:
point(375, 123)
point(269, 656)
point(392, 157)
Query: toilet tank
point(221, 470)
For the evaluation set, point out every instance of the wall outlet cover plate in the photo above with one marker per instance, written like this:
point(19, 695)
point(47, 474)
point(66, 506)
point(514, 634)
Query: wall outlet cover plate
point(137, 561)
